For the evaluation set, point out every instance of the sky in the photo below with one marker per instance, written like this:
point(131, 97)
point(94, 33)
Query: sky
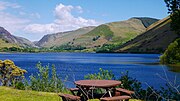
point(32, 19)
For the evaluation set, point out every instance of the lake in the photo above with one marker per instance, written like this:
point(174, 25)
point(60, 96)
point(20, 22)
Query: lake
point(143, 67)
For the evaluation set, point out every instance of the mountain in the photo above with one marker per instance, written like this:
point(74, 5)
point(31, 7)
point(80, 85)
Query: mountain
point(9, 39)
point(155, 40)
point(61, 38)
point(113, 33)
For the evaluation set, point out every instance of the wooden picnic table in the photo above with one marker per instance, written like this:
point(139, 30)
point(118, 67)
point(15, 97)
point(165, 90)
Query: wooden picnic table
point(86, 87)
point(98, 83)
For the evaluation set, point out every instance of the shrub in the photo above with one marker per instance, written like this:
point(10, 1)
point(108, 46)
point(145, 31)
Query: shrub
point(102, 75)
point(172, 54)
point(10, 74)
point(20, 85)
point(133, 84)
point(44, 81)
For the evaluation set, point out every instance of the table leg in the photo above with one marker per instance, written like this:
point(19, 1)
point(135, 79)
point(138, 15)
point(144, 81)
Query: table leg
point(84, 92)
point(109, 93)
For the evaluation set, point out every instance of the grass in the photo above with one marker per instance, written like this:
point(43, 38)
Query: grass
point(6, 44)
point(10, 94)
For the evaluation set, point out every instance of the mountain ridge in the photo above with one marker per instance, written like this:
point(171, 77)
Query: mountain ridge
point(155, 40)
point(112, 33)
point(54, 37)
point(8, 37)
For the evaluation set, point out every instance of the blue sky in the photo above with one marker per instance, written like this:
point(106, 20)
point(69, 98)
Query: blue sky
point(34, 18)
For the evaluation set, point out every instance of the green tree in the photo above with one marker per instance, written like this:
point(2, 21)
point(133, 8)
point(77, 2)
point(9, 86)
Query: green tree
point(172, 53)
point(174, 11)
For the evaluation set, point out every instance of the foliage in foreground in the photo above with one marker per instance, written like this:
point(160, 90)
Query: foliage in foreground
point(10, 74)
point(174, 10)
point(149, 94)
point(45, 80)
point(172, 54)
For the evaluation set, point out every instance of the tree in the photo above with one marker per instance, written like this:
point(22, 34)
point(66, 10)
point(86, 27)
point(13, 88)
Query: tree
point(174, 11)
point(172, 53)
point(10, 74)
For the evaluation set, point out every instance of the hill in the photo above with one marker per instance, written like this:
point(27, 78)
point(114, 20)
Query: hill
point(7, 40)
point(61, 38)
point(113, 33)
point(155, 40)
point(5, 43)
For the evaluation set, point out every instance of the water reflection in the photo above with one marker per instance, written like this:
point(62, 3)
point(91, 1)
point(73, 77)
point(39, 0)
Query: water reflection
point(174, 68)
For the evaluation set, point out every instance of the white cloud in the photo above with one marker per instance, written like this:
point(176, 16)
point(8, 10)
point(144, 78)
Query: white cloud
point(11, 22)
point(5, 5)
point(64, 21)
point(21, 23)
point(80, 10)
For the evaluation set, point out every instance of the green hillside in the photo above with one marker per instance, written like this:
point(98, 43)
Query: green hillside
point(4, 43)
point(155, 40)
point(6, 46)
point(9, 40)
point(115, 33)
point(62, 38)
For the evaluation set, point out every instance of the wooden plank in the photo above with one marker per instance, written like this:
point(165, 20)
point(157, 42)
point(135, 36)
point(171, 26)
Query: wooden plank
point(125, 91)
point(69, 97)
point(73, 89)
point(115, 98)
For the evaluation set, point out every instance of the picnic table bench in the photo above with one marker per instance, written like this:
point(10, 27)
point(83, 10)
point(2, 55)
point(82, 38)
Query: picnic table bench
point(121, 91)
point(69, 97)
point(115, 98)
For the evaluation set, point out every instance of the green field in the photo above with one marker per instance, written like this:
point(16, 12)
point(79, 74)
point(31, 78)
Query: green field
point(10, 94)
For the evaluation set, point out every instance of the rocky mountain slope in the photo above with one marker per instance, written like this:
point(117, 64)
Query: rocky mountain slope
point(8, 38)
point(155, 40)
point(93, 37)
point(61, 38)
point(113, 33)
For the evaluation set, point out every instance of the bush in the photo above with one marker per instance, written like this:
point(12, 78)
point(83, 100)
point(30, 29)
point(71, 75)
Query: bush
point(44, 81)
point(102, 75)
point(10, 74)
point(20, 85)
point(170, 93)
point(172, 54)
point(135, 85)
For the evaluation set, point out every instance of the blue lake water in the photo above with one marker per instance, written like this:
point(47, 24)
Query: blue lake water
point(143, 67)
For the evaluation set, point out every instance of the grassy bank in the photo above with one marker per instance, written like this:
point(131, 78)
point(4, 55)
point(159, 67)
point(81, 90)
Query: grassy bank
point(10, 94)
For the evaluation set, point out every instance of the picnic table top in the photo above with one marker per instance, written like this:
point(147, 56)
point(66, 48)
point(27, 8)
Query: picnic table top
point(98, 83)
